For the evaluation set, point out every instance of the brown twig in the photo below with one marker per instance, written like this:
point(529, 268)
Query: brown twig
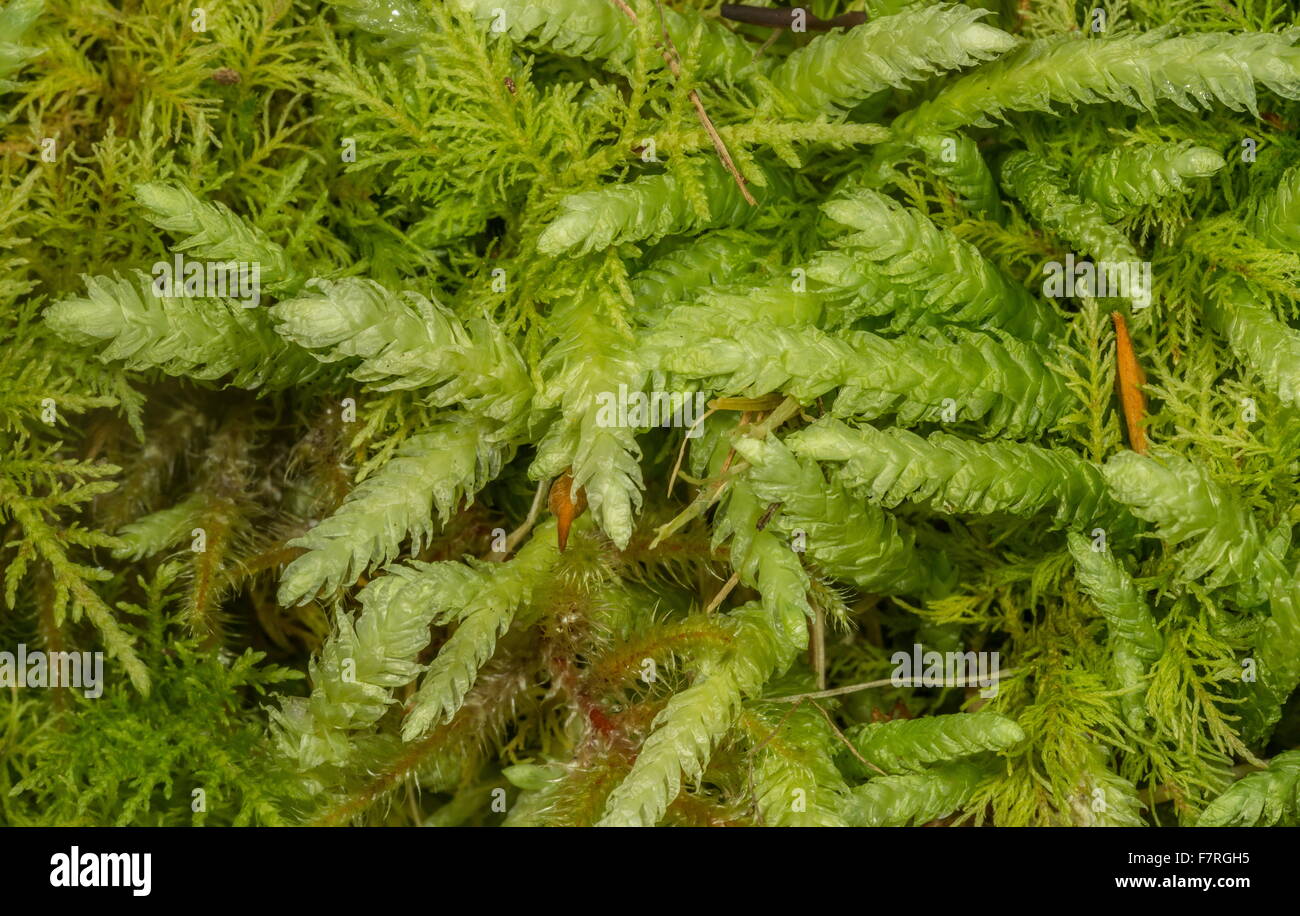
point(886, 682)
point(831, 722)
point(723, 592)
point(785, 409)
point(771, 40)
point(845, 740)
point(513, 539)
point(674, 66)
point(818, 646)
point(681, 453)
point(735, 577)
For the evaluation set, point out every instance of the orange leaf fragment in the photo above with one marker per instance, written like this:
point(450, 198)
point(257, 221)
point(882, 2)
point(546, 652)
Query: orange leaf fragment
point(564, 507)
point(1130, 380)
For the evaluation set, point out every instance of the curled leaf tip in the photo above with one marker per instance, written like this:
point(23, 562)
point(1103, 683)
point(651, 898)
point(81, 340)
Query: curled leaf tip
point(566, 505)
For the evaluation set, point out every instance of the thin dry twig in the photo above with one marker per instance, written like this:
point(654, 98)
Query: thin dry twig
point(890, 682)
point(818, 646)
point(675, 67)
point(844, 738)
point(829, 721)
point(771, 40)
point(513, 539)
point(681, 453)
point(723, 592)
point(735, 576)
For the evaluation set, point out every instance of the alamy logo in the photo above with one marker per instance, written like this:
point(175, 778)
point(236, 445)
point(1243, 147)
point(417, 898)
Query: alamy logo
point(103, 869)
point(181, 278)
point(946, 669)
point(53, 669)
point(1127, 279)
point(637, 409)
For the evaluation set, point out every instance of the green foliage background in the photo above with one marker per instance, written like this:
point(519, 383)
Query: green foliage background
point(913, 445)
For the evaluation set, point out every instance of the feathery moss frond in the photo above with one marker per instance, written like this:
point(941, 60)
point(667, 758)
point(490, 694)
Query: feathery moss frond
point(1264, 343)
point(914, 799)
point(1004, 385)
point(409, 341)
point(901, 746)
point(696, 719)
point(955, 282)
point(841, 68)
point(437, 469)
point(956, 159)
point(214, 233)
point(1260, 799)
point(41, 538)
point(366, 658)
point(848, 538)
point(205, 339)
point(649, 208)
point(599, 31)
point(958, 475)
point(1135, 641)
point(1276, 220)
point(492, 603)
point(159, 530)
point(1276, 644)
point(712, 259)
point(1082, 223)
point(1127, 179)
point(1184, 504)
point(1140, 70)
point(587, 368)
point(765, 563)
point(796, 783)
point(15, 20)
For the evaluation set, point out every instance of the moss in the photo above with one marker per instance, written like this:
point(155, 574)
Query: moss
point(537, 460)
